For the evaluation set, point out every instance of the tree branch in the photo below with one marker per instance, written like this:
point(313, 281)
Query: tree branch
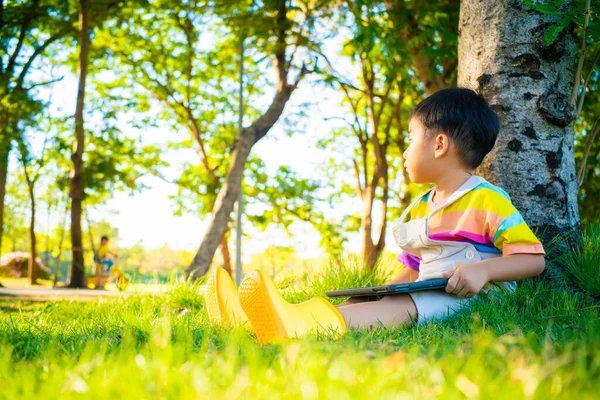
point(187, 29)
point(359, 186)
point(23, 32)
point(283, 90)
point(39, 50)
point(588, 147)
point(576, 86)
point(50, 82)
point(585, 83)
point(279, 61)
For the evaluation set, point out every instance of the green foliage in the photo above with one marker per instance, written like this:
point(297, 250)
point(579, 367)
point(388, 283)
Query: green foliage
point(182, 59)
point(287, 197)
point(565, 15)
point(429, 27)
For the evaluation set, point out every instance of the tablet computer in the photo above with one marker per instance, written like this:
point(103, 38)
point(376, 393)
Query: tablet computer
point(385, 290)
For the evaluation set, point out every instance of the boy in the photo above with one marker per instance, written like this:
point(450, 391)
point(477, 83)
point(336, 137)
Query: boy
point(464, 229)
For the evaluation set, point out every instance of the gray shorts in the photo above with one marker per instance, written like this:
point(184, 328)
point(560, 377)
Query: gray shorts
point(439, 305)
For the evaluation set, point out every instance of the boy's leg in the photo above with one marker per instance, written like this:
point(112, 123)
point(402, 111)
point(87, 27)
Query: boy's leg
point(357, 300)
point(390, 311)
point(106, 265)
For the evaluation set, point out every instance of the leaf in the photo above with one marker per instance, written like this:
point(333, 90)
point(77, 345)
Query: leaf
point(555, 30)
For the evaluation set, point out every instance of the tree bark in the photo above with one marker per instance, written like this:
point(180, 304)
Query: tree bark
point(77, 184)
point(502, 55)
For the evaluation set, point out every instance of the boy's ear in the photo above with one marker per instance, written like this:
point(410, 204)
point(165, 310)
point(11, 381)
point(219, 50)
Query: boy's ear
point(442, 144)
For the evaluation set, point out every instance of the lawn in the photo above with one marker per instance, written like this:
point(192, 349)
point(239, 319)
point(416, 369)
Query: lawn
point(537, 342)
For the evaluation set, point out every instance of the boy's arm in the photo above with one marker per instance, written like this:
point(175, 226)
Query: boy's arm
point(466, 280)
point(406, 275)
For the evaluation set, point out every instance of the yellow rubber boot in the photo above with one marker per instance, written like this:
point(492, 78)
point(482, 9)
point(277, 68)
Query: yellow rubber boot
point(273, 318)
point(222, 301)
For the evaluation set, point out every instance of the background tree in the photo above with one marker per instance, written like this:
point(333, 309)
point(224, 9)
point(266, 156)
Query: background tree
point(92, 17)
point(427, 34)
point(77, 183)
point(392, 72)
point(27, 30)
point(188, 86)
point(191, 86)
point(32, 170)
point(286, 34)
point(375, 101)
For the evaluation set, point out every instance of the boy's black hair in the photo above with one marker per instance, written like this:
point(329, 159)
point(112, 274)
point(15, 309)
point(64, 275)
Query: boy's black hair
point(104, 238)
point(465, 117)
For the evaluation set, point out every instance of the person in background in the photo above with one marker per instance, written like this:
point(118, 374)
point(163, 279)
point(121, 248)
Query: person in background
point(104, 256)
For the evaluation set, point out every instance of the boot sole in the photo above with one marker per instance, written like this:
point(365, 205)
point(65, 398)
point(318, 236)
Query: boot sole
point(255, 303)
point(211, 299)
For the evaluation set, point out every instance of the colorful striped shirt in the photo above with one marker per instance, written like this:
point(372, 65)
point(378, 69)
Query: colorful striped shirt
point(484, 217)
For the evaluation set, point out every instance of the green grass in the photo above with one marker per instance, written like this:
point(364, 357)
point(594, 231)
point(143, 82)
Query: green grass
point(583, 264)
point(537, 342)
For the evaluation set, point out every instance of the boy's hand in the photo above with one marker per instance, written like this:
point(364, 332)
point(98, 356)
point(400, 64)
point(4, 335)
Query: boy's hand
point(466, 280)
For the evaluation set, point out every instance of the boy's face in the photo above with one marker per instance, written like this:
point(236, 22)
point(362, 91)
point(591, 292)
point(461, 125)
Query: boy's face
point(419, 158)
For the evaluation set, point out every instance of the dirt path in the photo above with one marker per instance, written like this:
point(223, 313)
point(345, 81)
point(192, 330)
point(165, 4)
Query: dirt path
point(46, 294)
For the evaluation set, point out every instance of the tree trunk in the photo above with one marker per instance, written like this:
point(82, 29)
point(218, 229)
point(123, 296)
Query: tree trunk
point(501, 53)
point(424, 68)
point(223, 206)
point(77, 184)
point(4, 152)
point(369, 254)
point(224, 248)
point(371, 250)
point(60, 246)
point(230, 191)
point(90, 233)
point(32, 238)
point(31, 269)
point(47, 252)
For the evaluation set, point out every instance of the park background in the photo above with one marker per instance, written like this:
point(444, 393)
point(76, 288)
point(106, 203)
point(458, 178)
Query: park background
point(161, 114)
point(122, 118)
